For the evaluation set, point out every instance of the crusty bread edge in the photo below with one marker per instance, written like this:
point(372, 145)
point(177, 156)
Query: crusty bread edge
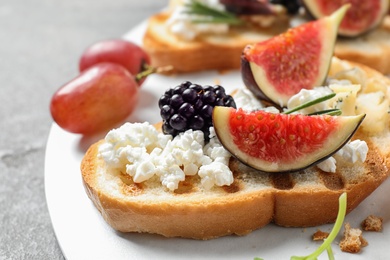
point(311, 207)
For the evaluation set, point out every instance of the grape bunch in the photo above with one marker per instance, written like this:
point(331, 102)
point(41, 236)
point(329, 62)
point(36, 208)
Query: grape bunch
point(190, 106)
point(105, 92)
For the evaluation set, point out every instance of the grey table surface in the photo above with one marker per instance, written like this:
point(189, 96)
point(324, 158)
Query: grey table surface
point(40, 44)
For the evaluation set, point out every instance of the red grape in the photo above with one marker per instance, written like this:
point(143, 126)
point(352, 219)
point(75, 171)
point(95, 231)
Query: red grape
point(96, 100)
point(119, 51)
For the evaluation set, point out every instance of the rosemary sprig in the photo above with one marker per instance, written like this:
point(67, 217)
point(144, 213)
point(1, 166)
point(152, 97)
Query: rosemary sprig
point(313, 102)
point(331, 112)
point(207, 14)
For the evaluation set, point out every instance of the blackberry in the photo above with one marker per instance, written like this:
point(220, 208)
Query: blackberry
point(292, 6)
point(190, 106)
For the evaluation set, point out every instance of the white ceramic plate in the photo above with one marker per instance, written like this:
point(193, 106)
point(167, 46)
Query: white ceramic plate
point(83, 234)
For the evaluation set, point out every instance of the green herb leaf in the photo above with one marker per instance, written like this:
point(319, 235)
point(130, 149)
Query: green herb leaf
point(326, 245)
point(208, 14)
point(331, 112)
point(310, 103)
point(330, 253)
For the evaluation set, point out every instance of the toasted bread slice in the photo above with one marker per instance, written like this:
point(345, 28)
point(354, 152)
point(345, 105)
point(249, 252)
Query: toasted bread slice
point(254, 199)
point(301, 199)
point(223, 51)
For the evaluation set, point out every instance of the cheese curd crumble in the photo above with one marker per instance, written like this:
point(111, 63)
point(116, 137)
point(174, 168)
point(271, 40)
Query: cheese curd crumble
point(352, 152)
point(143, 152)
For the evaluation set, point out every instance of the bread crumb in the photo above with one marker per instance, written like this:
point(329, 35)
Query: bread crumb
point(372, 223)
point(353, 241)
point(320, 235)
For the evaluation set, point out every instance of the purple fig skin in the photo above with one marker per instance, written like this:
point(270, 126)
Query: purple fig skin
point(247, 7)
point(250, 82)
point(256, 73)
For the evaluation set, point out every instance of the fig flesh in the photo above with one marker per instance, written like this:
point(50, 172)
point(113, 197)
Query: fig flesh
point(282, 143)
point(278, 68)
point(363, 15)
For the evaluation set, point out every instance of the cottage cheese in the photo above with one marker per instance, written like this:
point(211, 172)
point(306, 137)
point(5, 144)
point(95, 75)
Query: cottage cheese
point(143, 152)
point(352, 152)
point(328, 165)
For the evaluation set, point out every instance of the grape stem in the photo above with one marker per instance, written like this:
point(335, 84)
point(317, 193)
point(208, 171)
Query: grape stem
point(148, 70)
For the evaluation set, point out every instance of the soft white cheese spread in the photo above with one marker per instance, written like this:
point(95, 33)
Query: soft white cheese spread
point(180, 23)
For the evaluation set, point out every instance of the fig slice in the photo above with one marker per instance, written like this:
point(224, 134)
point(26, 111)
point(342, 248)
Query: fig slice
point(278, 68)
point(279, 142)
point(363, 16)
